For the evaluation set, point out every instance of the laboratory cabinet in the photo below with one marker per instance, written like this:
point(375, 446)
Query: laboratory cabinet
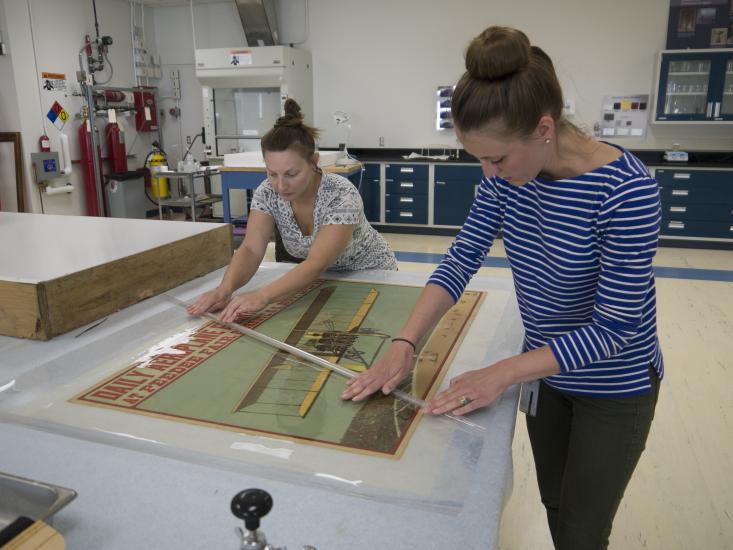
point(430, 195)
point(370, 189)
point(406, 193)
point(697, 204)
point(455, 188)
point(695, 86)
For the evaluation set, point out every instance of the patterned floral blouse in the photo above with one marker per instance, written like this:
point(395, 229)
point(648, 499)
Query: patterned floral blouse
point(337, 202)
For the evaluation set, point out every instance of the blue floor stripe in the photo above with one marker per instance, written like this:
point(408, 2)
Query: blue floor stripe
point(660, 271)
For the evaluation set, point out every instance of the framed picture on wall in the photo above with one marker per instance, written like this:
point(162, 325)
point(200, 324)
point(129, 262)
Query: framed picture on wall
point(718, 37)
point(13, 139)
point(686, 20)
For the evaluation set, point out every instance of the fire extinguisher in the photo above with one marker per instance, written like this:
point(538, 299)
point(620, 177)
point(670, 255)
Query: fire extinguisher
point(87, 163)
point(44, 144)
point(116, 148)
point(158, 185)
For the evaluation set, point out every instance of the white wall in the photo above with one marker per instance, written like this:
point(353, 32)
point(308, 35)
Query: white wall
point(217, 26)
point(382, 60)
point(379, 60)
point(59, 34)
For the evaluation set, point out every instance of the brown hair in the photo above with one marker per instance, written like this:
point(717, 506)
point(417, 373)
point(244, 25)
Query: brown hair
point(507, 80)
point(290, 132)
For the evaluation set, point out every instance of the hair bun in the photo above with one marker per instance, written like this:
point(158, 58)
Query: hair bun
point(497, 53)
point(293, 116)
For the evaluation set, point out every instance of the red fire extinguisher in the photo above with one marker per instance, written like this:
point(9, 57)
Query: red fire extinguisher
point(87, 163)
point(116, 148)
point(44, 144)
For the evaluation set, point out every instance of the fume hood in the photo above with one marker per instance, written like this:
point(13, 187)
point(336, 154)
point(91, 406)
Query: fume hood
point(244, 90)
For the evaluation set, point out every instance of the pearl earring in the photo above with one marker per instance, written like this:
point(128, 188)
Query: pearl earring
point(547, 140)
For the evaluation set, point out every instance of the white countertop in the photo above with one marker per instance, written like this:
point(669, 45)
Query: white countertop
point(62, 245)
point(130, 497)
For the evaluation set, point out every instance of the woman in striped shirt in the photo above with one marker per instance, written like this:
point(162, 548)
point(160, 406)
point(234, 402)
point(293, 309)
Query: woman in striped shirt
point(580, 220)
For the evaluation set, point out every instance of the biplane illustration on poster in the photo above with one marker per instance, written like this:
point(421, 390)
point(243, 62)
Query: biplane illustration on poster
point(217, 377)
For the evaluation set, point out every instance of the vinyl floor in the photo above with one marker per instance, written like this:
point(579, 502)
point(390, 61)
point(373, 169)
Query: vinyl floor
point(681, 494)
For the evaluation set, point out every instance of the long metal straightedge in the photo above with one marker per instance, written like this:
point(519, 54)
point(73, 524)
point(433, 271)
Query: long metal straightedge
point(348, 373)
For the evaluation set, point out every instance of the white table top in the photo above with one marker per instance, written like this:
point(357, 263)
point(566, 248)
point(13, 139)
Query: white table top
point(134, 499)
point(66, 244)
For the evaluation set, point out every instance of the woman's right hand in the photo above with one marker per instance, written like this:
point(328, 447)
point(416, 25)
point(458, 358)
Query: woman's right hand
point(386, 374)
point(213, 300)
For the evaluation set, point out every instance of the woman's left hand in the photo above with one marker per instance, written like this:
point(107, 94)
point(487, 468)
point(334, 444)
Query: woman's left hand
point(470, 391)
point(249, 302)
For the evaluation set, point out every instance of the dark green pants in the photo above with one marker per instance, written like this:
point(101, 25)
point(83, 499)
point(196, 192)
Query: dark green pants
point(585, 450)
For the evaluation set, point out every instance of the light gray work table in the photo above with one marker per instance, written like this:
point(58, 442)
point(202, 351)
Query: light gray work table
point(131, 498)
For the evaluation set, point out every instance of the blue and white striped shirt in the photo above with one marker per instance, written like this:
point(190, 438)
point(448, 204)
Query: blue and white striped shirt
point(581, 253)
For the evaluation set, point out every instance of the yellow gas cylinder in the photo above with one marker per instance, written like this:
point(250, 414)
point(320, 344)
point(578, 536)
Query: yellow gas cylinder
point(158, 185)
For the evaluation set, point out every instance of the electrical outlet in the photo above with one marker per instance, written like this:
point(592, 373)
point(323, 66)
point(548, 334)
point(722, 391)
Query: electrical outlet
point(188, 140)
point(568, 107)
point(3, 49)
point(381, 141)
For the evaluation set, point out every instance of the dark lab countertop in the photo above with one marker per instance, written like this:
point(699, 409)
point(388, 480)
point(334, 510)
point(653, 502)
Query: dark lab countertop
point(650, 157)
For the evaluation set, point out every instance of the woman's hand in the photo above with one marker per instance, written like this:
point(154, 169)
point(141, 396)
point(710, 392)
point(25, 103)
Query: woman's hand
point(209, 301)
point(393, 367)
point(249, 302)
point(470, 391)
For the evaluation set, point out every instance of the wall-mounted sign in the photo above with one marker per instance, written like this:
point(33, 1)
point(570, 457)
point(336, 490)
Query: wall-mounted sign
point(240, 57)
point(54, 82)
point(624, 116)
point(58, 115)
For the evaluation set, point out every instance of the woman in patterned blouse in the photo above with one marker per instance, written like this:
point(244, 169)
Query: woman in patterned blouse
point(319, 216)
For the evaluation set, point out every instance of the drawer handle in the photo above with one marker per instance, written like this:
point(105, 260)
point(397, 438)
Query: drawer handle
point(406, 214)
point(439, 183)
point(681, 176)
point(407, 199)
point(680, 192)
point(407, 184)
point(406, 170)
point(681, 209)
point(388, 179)
point(676, 225)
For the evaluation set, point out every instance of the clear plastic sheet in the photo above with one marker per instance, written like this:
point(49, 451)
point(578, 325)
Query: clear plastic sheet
point(435, 468)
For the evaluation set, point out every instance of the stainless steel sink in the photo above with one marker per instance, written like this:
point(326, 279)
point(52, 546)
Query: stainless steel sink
point(20, 497)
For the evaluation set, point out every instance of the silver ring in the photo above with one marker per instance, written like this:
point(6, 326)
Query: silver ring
point(464, 400)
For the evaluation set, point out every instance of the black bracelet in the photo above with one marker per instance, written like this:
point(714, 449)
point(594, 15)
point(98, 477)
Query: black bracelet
point(414, 348)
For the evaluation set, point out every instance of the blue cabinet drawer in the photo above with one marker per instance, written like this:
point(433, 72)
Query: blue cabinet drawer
point(371, 170)
point(453, 200)
point(406, 215)
point(410, 172)
point(411, 187)
point(463, 174)
point(720, 179)
point(681, 193)
point(412, 202)
point(712, 212)
point(696, 228)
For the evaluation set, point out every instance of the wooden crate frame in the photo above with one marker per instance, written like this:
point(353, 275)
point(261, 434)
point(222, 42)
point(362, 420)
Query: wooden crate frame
point(46, 309)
